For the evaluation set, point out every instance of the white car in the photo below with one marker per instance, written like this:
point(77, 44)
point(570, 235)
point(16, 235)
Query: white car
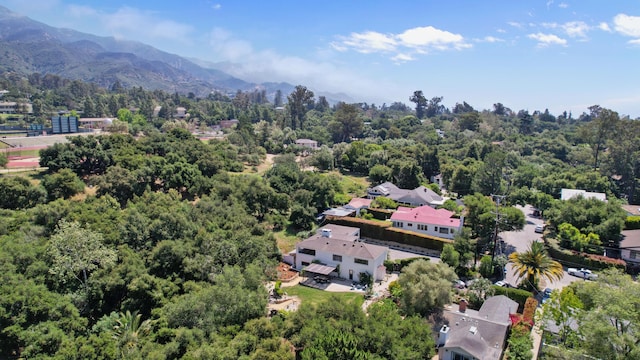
point(582, 273)
point(539, 229)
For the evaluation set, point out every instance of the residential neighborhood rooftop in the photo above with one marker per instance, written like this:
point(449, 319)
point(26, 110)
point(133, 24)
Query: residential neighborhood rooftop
point(426, 214)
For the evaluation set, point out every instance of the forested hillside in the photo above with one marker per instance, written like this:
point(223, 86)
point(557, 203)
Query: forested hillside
point(148, 242)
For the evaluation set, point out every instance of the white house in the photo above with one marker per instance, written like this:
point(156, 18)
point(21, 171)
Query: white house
point(427, 220)
point(566, 194)
point(337, 250)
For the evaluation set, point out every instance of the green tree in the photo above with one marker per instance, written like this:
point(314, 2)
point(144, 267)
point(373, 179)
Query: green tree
point(609, 328)
point(426, 286)
point(382, 202)
point(299, 102)
point(534, 264)
point(76, 252)
point(564, 310)
point(347, 122)
point(450, 256)
point(62, 184)
point(421, 103)
point(599, 130)
point(4, 159)
point(128, 331)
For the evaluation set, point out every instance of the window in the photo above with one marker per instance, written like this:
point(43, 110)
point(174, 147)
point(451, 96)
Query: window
point(451, 232)
point(305, 263)
point(307, 251)
point(633, 255)
point(397, 224)
point(423, 227)
point(444, 230)
point(435, 228)
point(410, 225)
point(361, 261)
point(456, 356)
point(337, 257)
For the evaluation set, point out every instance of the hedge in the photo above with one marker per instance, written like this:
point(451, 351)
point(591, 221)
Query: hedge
point(577, 259)
point(632, 223)
point(380, 214)
point(398, 265)
point(518, 295)
point(383, 231)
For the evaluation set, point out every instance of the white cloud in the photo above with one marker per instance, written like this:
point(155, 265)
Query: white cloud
point(515, 24)
point(627, 25)
point(370, 42)
point(402, 58)
point(563, 5)
point(216, 6)
point(490, 39)
point(576, 29)
point(228, 47)
point(428, 36)
point(418, 40)
point(127, 20)
point(547, 39)
point(634, 42)
point(604, 27)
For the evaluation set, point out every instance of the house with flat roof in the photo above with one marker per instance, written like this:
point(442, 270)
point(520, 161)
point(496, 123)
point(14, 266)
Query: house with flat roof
point(427, 220)
point(566, 194)
point(338, 251)
point(308, 143)
point(417, 197)
point(476, 335)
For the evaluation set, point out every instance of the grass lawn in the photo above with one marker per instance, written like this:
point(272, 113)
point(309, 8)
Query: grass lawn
point(351, 184)
point(314, 296)
point(286, 241)
point(18, 152)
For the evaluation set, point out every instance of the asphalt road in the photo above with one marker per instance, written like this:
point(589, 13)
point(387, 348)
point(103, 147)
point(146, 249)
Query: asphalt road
point(518, 241)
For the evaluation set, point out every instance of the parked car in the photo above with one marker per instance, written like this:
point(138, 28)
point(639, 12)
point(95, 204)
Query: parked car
point(539, 229)
point(546, 294)
point(582, 273)
point(459, 284)
point(502, 283)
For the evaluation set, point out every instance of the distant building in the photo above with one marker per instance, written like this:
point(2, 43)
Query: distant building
point(630, 246)
point(95, 123)
point(417, 197)
point(12, 107)
point(227, 124)
point(566, 194)
point(308, 143)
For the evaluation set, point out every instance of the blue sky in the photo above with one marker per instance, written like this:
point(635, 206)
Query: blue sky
point(560, 55)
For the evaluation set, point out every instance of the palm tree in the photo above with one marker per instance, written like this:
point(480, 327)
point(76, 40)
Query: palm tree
point(534, 264)
point(128, 330)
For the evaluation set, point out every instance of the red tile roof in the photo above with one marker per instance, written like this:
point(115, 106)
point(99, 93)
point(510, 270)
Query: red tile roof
point(426, 215)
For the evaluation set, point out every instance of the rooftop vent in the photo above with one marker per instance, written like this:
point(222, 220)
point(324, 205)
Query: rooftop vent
point(473, 330)
point(326, 233)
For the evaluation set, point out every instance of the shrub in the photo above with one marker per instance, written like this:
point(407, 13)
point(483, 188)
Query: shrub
point(529, 310)
point(518, 295)
point(632, 223)
point(577, 259)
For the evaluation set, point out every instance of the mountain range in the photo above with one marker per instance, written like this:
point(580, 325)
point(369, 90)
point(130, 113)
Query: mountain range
point(28, 46)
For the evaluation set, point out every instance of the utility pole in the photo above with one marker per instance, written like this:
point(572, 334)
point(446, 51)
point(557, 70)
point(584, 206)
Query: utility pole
point(498, 199)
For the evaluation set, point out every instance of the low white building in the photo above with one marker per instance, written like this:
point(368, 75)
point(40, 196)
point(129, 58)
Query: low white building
point(337, 250)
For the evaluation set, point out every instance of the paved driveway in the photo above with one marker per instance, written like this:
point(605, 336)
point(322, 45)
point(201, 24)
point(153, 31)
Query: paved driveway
point(518, 241)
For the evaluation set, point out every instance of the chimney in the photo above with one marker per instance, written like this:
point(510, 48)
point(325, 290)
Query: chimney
point(462, 307)
point(443, 336)
point(326, 233)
